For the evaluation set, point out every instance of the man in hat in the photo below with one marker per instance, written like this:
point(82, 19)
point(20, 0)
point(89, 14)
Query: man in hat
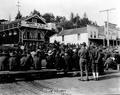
point(83, 55)
point(67, 61)
point(75, 59)
point(50, 60)
point(58, 61)
point(4, 57)
point(94, 61)
point(29, 61)
point(23, 61)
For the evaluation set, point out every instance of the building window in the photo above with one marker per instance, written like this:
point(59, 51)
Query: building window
point(78, 37)
point(39, 36)
point(28, 35)
point(91, 34)
point(34, 20)
point(62, 37)
point(94, 34)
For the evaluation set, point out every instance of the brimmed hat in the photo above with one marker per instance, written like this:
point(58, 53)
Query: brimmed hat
point(50, 52)
point(24, 54)
point(84, 44)
point(13, 54)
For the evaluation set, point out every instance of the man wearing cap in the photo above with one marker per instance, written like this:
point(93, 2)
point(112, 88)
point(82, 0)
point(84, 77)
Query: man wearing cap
point(83, 55)
point(94, 61)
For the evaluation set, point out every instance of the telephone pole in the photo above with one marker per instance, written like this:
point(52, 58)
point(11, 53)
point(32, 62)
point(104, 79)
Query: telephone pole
point(107, 10)
point(18, 5)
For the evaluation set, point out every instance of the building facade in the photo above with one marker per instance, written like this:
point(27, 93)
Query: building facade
point(89, 34)
point(112, 34)
point(29, 31)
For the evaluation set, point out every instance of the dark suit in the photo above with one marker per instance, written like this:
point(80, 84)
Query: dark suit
point(67, 61)
point(13, 63)
point(3, 62)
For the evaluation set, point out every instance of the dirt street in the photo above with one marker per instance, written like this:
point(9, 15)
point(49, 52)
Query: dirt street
point(108, 84)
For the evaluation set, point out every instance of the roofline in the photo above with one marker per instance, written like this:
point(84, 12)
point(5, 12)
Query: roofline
point(37, 16)
point(17, 20)
point(73, 29)
point(72, 33)
point(93, 25)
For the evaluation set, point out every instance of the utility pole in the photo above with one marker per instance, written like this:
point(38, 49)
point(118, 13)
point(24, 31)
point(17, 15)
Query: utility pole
point(107, 10)
point(18, 5)
point(9, 18)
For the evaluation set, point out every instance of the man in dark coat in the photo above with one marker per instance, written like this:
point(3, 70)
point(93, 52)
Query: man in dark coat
point(13, 62)
point(83, 55)
point(100, 62)
point(117, 59)
point(70, 53)
point(67, 61)
point(4, 57)
point(50, 60)
point(75, 60)
point(58, 63)
point(26, 62)
point(29, 61)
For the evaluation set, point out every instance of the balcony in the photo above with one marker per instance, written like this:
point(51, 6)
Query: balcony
point(9, 26)
point(35, 25)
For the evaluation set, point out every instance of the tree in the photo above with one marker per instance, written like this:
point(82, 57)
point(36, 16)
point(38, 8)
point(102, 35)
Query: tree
point(72, 17)
point(68, 25)
point(85, 21)
point(49, 17)
point(58, 19)
point(76, 21)
point(60, 23)
point(35, 12)
point(85, 15)
point(19, 15)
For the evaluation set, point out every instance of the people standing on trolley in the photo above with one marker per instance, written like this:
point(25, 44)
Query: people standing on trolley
point(13, 62)
point(4, 59)
point(37, 61)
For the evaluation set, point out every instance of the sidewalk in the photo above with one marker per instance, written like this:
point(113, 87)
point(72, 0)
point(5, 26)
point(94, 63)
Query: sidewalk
point(108, 84)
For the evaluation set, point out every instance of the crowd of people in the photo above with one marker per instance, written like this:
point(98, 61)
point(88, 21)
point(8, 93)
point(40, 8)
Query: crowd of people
point(88, 59)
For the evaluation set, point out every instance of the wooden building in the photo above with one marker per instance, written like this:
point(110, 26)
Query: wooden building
point(30, 31)
point(89, 34)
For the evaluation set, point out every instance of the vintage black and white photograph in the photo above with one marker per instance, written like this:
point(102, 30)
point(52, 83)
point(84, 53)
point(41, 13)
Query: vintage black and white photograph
point(59, 47)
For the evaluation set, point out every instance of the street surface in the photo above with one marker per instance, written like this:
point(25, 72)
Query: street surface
point(109, 84)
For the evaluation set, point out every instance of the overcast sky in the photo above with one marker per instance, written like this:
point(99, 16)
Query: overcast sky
point(64, 8)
